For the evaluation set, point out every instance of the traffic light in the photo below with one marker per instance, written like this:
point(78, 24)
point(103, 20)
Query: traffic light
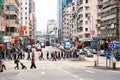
point(106, 41)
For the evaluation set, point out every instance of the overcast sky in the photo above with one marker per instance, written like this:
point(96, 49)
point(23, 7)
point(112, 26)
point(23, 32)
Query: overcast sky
point(45, 10)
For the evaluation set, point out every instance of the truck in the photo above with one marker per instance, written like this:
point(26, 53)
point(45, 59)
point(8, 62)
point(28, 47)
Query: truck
point(67, 44)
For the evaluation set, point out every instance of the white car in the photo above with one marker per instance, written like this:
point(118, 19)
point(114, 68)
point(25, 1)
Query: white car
point(68, 45)
point(89, 53)
point(42, 45)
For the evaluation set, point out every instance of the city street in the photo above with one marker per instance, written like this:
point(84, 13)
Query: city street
point(59, 70)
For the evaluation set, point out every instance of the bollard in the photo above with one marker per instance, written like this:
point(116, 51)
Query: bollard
point(114, 65)
point(95, 63)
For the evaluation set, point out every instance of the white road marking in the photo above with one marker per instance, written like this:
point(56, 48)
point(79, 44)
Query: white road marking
point(63, 70)
point(42, 73)
point(20, 72)
point(90, 71)
point(69, 73)
point(74, 75)
point(115, 71)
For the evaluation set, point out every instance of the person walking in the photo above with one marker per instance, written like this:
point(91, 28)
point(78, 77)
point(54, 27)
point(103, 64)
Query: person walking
point(23, 66)
point(17, 63)
point(33, 63)
point(47, 55)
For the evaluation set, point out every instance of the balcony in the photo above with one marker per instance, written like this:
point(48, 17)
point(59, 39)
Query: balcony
point(100, 6)
point(11, 9)
point(17, 2)
point(106, 4)
point(113, 2)
point(12, 23)
point(11, 12)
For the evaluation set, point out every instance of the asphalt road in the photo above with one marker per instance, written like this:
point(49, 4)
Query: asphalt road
point(60, 73)
point(58, 70)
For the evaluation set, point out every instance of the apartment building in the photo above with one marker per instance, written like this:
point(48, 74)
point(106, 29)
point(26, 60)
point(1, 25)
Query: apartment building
point(52, 31)
point(110, 20)
point(11, 13)
point(25, 19)
point(59, 19)
point(73, 20)
point(66, 21)
point(2, 19)
point(52, 27)
point(32, 21)
point(86, 19)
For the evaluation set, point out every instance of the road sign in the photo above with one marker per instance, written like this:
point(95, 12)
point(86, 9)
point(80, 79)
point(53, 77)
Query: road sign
point(108, 54)
point(92, 32)
point(117, 44)
point(111, 45)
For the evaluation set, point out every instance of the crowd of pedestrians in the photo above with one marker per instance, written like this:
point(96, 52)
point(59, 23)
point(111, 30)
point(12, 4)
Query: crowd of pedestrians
point(18, 53)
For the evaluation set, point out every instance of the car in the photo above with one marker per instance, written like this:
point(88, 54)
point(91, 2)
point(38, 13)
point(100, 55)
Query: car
point(94, 51)
point(42, 45)
point(102, 52)
point(33, 46)
point(89, 53)
point(82, 52)
point(38, 49)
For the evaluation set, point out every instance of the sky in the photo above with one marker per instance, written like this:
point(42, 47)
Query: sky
point(45, 10)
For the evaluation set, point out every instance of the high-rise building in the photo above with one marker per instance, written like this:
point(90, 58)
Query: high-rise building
point(60, 7)
point(11, 13)
point(52, 31)
point(28, 19)
point(66, 21)
point(25, 19)
point(59, 19)
point(73, 19)
point(66, 2)
point(110, 19)
point(86, 19)
point(32, 23)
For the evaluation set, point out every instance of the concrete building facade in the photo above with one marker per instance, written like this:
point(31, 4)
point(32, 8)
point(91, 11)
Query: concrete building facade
point(86, 19)
point(32, 23)
point(73, 25)
point(59, 19)
point(25, 16)
point(66, 21)
point(11, 13)
point(110, 20)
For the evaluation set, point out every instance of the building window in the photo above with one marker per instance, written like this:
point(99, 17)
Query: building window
point(86, 1)
point(86, 15)
point(87, 35)
point(25, 17)
point(25, 13)
point(10, 7)
point(86, 22)
point(25, 7)
point(86, 29)
point(87, 7)
point(26, 3)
